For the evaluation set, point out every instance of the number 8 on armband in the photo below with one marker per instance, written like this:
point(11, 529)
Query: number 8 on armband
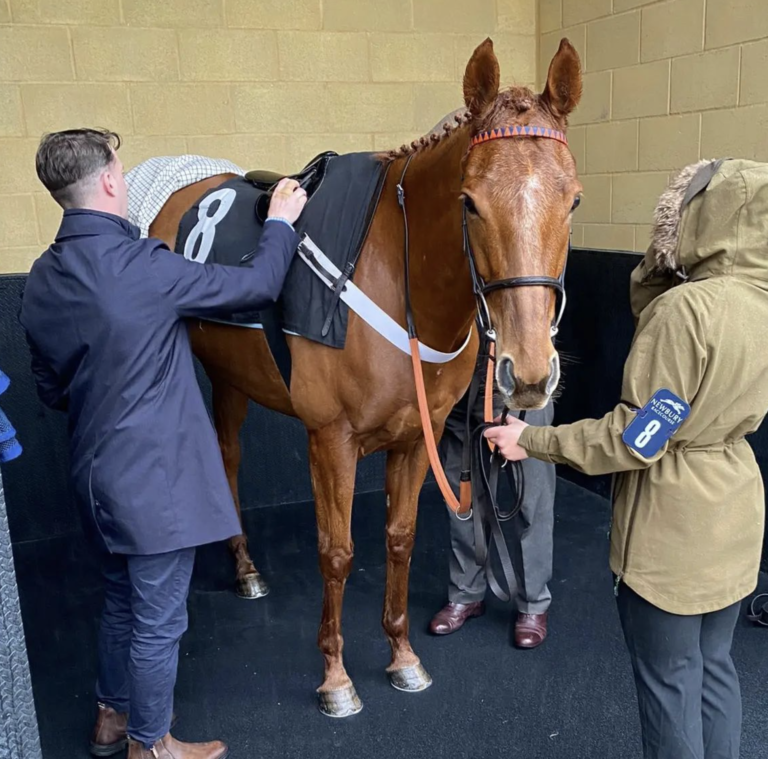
point(647, 434)
point(655, 423)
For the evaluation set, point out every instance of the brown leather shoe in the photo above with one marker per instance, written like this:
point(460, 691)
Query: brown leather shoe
point(453, 616)
point(110, 732)
point(530, 630)
point(170, 748)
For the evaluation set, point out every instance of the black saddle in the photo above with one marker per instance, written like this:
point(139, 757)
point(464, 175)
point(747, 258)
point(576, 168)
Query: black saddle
point(310, 178)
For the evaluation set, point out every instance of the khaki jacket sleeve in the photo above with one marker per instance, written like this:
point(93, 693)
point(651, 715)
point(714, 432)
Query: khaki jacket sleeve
point(647, 282)
point(669, 352)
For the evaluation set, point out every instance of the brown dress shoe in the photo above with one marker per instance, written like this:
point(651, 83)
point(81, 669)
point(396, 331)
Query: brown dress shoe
point(109, 733)
point(530, 630)
point(170, 748)
point(453, 616)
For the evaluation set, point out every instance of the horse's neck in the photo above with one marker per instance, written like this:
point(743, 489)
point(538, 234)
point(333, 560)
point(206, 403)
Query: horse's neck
point(441, 287)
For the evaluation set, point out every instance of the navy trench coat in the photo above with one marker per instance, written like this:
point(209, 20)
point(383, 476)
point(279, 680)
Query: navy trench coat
point(104, 312)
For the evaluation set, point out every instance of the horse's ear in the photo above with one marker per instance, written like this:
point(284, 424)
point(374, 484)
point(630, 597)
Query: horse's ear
point(563, 90)
point(481, 79)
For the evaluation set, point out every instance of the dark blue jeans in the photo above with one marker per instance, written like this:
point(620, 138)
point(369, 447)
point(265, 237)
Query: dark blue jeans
point(145, 615)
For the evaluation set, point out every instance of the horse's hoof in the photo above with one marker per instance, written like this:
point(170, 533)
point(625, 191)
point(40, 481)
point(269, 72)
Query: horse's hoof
point(410, 679)
point(252, 586)
point(340, 703)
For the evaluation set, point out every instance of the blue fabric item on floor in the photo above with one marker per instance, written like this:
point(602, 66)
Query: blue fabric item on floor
point(6, 428)
point(10, 448)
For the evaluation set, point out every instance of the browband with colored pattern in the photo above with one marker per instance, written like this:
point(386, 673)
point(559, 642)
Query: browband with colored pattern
point(518, 131)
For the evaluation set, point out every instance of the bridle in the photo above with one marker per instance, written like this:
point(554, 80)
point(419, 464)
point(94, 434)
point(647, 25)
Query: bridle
point(489, 512)
point(480, 288)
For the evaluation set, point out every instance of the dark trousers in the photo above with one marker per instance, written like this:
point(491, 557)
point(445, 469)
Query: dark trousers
point(145, 615)
point(531, 539)
point(687, 686)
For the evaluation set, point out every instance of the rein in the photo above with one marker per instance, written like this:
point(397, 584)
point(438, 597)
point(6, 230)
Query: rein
point(473, 469)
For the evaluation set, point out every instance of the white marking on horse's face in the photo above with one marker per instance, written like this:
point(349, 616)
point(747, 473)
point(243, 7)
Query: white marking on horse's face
point(530, 205)
point(529, 190)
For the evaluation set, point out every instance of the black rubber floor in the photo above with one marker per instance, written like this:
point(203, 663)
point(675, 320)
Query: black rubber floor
point(249, 669)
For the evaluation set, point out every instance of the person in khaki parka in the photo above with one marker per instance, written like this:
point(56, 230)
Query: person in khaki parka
point(687, 525)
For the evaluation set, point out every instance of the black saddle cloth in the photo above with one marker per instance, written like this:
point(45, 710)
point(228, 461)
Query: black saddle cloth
point(225, 225)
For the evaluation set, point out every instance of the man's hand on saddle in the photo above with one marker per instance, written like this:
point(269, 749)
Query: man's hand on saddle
point(505, 438)
point(288, 200)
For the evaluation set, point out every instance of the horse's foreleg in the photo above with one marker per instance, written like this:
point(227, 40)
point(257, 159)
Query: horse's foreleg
point(406, 469)
point(333, 459)
point(230, 407)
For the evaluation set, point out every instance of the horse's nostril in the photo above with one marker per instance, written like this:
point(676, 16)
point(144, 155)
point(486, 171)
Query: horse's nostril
point(554, 374)
point(506, 375)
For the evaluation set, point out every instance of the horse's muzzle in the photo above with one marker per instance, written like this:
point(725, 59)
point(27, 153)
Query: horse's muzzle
point(526, 395)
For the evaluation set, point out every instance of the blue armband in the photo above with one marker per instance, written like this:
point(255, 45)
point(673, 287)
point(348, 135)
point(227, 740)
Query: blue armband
point(655, 423)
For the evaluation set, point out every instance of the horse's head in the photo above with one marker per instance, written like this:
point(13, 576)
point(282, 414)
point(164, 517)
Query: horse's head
point(519, 194)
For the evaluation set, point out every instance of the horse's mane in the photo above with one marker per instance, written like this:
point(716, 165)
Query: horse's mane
point(512, 101)
point(446, 126)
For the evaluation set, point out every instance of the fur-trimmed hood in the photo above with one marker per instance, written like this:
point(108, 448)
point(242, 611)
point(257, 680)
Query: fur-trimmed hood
point(713, 219)
point(667, 217)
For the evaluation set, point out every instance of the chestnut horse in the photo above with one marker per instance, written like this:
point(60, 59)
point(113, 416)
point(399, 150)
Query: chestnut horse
point(518, 195)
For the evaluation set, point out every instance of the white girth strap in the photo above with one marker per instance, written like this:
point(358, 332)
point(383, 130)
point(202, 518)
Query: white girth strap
point(367, 310)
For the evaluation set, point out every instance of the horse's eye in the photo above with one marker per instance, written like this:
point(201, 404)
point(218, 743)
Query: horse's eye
point(576, 203)
point(469, 204)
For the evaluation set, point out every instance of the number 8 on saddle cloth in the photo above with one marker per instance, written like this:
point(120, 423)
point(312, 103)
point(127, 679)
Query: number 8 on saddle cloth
point(225, 225)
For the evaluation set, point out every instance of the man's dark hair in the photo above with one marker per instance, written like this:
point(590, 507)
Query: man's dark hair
point(65, 161)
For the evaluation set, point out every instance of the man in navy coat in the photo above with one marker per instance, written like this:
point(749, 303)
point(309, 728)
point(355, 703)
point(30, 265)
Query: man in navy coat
point(104, 316)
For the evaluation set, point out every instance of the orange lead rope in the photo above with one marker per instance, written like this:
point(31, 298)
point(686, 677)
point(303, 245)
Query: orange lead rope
point(489, 383)
point(463, 504)
point(458, 507)
point(489, 387)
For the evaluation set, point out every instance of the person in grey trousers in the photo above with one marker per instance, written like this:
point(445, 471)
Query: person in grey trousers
point(529, 533)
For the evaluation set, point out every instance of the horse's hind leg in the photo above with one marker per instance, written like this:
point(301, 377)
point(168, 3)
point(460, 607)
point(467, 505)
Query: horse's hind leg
point(406, 469)
point(230, 407)
point(333, 459)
